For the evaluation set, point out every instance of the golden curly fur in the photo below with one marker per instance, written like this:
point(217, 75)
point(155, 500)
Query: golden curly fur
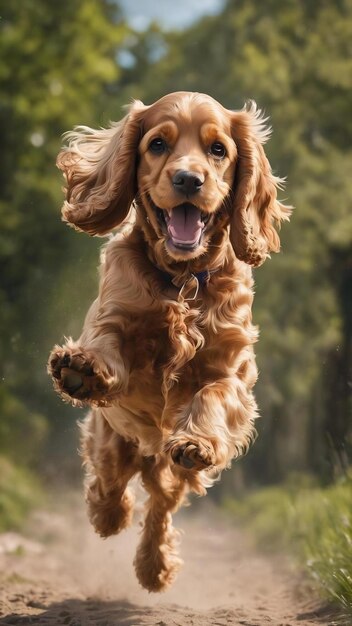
point(166, 357)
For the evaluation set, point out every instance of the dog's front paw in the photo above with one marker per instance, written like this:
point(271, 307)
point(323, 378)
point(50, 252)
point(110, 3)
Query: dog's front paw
point(191, 454)
point(77, 375)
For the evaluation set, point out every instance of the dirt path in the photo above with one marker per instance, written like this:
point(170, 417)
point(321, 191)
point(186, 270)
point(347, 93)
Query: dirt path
point(66, 575)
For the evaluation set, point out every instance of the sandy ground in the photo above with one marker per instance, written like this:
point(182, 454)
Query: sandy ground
point(62, 573)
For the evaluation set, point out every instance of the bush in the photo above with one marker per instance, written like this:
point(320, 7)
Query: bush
point(19, 493)
point(22, 431)
point(312, 522)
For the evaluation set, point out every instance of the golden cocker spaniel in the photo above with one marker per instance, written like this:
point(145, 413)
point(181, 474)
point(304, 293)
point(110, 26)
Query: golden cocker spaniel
point(166, 358)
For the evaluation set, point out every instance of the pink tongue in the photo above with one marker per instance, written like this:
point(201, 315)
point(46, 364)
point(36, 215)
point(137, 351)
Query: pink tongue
point(185, 224)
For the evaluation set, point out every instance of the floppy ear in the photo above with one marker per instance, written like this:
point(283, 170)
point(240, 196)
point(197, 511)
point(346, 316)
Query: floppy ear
point(256, 208)
point(99, 166)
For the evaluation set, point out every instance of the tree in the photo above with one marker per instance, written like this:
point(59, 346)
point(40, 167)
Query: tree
point(56, 62)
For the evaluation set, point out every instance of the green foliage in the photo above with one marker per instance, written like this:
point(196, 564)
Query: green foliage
point(328, 544)
point(313, 523)
point(18, 426)
point(56, 61)
point(19, 493)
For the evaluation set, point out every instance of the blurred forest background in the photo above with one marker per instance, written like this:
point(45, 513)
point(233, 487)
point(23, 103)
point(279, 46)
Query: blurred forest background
point(78, 62)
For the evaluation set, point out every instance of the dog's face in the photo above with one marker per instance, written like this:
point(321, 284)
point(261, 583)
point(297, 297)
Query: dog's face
point(192, 167)
point(186, 168)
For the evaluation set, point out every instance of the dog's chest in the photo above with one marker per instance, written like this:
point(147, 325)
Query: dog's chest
point(153, 339)
point(164, 346)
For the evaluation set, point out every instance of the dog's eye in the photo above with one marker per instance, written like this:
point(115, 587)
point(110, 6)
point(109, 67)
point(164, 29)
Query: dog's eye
point(157, 145)
point(218, 150)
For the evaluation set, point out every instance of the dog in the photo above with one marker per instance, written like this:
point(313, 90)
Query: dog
point(165, 359)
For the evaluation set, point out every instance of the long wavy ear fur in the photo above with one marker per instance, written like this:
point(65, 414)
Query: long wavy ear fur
point(256, 208)
point(99, 166)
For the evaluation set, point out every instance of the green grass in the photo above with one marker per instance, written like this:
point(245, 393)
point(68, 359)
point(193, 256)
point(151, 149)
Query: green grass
point(312, 522)
point(19, 493)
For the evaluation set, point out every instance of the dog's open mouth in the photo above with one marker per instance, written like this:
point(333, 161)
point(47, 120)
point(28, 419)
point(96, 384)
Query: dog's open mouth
point(184, 224)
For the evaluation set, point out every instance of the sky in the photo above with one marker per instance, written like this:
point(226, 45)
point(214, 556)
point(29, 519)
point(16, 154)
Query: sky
point(169, 13)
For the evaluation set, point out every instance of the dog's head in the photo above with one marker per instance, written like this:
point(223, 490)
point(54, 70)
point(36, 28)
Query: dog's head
point(191, 166)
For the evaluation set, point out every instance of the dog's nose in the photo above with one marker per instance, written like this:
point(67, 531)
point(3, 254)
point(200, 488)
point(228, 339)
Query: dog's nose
point(187, 183)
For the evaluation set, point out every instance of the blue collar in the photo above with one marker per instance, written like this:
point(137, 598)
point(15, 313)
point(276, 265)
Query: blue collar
point(202, 277)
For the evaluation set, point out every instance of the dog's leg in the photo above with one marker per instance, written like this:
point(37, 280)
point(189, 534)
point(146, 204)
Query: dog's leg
point(217, 426)
point(156, 561)
point(110, 462)
point(90, 370)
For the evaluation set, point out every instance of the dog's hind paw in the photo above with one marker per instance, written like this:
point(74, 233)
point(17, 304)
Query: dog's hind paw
point(110, 514)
